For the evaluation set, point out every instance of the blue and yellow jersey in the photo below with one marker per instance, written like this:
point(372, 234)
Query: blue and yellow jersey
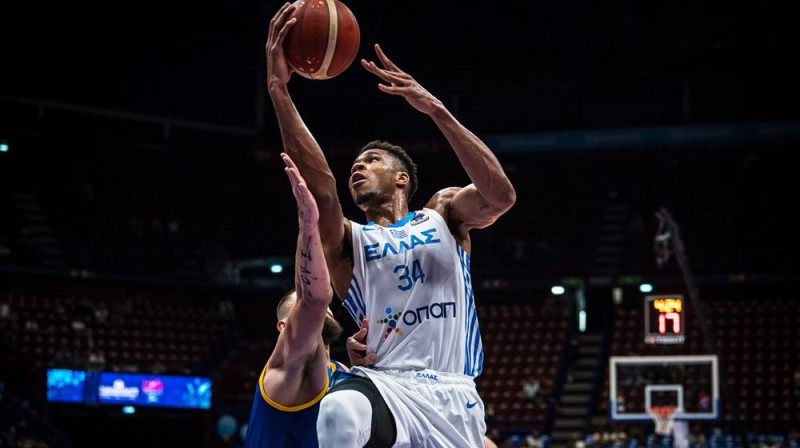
point(272, 425)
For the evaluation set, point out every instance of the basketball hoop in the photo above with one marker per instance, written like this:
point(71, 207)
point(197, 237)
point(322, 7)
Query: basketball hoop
point(664, 417)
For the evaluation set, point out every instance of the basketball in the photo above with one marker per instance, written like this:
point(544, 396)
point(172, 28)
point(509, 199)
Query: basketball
point(324, 40)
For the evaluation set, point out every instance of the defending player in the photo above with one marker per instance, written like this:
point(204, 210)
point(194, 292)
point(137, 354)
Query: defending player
point(406, 272)
point(297, 374)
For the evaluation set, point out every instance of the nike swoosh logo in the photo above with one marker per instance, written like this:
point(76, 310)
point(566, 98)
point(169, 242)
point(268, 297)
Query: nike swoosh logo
point(471, 405)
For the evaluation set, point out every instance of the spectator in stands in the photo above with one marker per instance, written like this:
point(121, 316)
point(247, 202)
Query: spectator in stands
point(173, 227)
point(793, 438)
point(530, 388)
point(635, 380)
point(78, 334)
point(704, 402)
point(590, 439)
point(534, 440)
point(772, 441)
point(96, 360)
point(101, 313)
point(490, 418)
point(11, 435)
point(697, 438)
point(636, 435)
point(5, 310)
point(575, 441)
point(31, 325)
point(226, 309)
point(158, 367)
point(619, 435)
point(620, 403)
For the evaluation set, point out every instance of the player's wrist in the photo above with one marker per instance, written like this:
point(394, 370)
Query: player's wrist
point(437, 110)
point(275, 85)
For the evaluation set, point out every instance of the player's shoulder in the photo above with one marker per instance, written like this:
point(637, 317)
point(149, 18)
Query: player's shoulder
point(440, 201)
point(445, 193)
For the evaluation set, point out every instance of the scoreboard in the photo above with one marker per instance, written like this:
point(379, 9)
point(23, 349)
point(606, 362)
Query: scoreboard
point(664, 319)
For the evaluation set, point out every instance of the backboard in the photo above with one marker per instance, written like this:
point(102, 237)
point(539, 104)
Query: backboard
point(688, 382)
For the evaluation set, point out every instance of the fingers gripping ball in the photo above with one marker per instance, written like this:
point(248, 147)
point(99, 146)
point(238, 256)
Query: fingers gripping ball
point(324, 41)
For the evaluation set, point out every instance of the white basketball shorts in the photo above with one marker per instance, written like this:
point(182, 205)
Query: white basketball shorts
point(431, 409)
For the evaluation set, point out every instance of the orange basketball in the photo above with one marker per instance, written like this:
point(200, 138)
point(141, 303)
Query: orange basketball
point(324, 41)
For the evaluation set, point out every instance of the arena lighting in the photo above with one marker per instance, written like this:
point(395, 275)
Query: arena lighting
point(276, 268)
point(616, 295)
point(557, 290)
point(4, 147)
point(129, 410)
point(645, 287)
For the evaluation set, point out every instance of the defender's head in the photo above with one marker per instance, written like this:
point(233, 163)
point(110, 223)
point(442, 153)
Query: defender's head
point(331, 328)
point(380, 170)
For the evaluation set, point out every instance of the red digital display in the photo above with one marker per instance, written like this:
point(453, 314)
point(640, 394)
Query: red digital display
point(664, 319)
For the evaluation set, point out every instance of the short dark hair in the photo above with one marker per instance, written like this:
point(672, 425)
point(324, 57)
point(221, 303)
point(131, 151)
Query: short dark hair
point(402, 156)
point(283, 308)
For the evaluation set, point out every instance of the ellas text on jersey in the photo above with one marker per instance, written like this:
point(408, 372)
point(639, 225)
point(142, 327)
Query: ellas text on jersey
point(376, 252)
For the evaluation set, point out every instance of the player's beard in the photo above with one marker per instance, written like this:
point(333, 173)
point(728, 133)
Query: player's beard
point(331, 330)
point(365, 198)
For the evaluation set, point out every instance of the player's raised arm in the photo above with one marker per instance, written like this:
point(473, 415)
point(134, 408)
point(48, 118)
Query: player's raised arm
point(491, 193)
point(298, 142)
point(312, 282)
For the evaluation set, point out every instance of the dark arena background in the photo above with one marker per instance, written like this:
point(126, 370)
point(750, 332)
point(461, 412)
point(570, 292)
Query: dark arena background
point(147, 229)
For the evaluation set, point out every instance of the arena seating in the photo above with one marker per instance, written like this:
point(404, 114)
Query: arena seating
point(520, 342)
point(114, 328)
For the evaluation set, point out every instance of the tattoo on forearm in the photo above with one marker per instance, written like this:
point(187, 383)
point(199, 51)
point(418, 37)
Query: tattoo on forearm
point(305, 251)
point(306, 276)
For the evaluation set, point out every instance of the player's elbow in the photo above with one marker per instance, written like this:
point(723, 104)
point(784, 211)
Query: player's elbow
point(327, 200)
point(495, 209)
point(505, 200)
point(318, 297)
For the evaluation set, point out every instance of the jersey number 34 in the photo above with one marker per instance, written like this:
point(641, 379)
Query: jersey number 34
point(409, 277)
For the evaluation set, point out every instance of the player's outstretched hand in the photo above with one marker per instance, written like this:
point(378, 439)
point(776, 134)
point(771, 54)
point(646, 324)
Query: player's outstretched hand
point(278, 70)
point(306, 204)
point(400, 83)
point(357, 347)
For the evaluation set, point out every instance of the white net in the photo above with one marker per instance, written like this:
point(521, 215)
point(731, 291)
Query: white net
point(664, 418)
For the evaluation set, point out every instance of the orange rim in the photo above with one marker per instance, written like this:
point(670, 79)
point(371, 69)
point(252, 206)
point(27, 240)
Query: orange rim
point(663, 411)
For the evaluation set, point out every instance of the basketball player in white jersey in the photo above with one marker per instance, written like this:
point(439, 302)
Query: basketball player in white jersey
point(406, 272)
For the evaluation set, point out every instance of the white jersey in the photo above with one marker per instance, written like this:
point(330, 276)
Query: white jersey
point(412, 280)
